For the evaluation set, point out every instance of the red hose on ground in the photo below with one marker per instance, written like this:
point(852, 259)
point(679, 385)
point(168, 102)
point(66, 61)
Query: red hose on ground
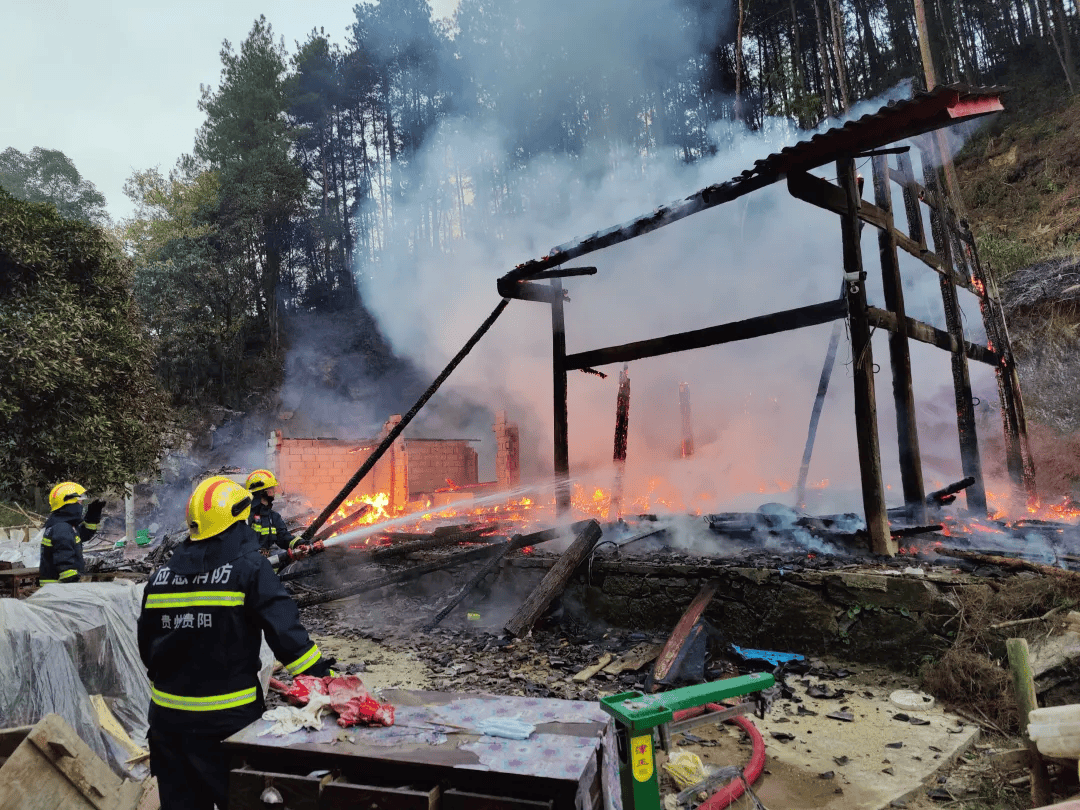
point(735, 788)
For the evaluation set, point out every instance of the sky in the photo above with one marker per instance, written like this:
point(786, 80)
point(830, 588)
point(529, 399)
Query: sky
point(116, 88)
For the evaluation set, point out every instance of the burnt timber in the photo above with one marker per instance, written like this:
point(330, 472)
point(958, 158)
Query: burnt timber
point(953, 258)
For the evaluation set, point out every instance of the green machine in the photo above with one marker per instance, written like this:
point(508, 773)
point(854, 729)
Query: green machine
point(639, 715)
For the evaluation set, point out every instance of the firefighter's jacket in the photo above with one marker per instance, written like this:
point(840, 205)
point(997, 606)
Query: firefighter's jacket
point(270, 527)
point(203, 618)
point(61, 557)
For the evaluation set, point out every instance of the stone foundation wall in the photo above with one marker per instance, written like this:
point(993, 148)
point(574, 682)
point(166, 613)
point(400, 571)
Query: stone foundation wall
point(892, 620)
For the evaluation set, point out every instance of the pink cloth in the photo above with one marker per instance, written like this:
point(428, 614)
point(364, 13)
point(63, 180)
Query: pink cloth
point(348, 697)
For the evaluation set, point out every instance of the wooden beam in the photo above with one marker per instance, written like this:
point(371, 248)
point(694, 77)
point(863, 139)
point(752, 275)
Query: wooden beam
point(559, 392)
point(970, 461)
point(554, 581)
point(525, 291)
point(759, 326)
point(924, 333)
point(822, 193)
point(866, 428)
point(907, 430)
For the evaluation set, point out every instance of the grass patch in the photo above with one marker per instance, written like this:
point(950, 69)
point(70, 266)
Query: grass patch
point(1004, 254)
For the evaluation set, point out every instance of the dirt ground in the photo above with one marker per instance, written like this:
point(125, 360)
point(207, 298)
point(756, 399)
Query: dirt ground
point(876, 755)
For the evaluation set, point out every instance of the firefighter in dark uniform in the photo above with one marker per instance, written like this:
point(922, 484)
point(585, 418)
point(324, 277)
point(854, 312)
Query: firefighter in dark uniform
point(264, 520)
point(203, 618)
point(65, 531)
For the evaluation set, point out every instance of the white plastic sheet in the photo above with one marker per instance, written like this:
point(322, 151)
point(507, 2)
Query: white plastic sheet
point(65, 643)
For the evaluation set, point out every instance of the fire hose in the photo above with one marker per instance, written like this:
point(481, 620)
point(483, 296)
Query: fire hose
point(735, 788)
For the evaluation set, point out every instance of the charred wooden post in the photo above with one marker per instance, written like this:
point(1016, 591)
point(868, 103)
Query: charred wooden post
point(345, 522)
point(899, 351)
point(873, 491)
point(518, 541)
point(687, 447)
point(622, 426)
point(558, 368)
point(970, 460)
point(815, 412)
point(554, 581)
point(459, 596)
point(403, 575)
point(397, 430)
point(1019, 461)
point(946, 495)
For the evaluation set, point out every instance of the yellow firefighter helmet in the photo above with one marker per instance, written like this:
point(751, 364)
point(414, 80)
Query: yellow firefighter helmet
point(215, 505)
point(260, 480)
point(65, 493)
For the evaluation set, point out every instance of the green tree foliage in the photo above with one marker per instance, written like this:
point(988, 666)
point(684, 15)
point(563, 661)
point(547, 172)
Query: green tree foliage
point(49, 176)
point(196, 301)
point(320, 159)
point(78, 398)
point(245, 141)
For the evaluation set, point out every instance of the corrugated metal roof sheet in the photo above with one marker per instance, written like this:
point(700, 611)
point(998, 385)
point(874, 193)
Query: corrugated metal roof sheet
point(896, 121)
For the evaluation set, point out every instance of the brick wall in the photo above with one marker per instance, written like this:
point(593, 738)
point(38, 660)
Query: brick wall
point(317, 469)
point(432, 462)
point(507, 465)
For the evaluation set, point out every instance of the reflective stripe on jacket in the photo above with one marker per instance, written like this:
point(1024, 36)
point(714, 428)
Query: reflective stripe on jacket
point(203, 619)
point(61, 558)
point(270, 527)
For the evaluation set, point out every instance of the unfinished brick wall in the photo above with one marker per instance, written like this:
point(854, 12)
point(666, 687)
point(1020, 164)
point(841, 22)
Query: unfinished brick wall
point(507, 466)
point(317, 469)
point(432, 463)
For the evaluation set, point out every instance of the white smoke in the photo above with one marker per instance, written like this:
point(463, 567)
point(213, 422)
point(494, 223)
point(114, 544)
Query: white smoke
point(763, 253)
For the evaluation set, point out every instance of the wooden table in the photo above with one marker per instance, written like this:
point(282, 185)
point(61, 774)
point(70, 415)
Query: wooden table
point(561, 766)
point(19, 582)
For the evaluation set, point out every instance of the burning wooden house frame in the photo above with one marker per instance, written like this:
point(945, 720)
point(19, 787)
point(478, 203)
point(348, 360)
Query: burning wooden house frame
point(954, 257)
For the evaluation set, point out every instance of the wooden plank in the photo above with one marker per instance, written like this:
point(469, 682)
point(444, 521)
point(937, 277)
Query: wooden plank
point(756, 327)
point(670, 650)
point(554, 581)
point(53, 767)
point(460, 800)
point(29, 780)
point(1024, 686)
point(924, 333)
point(592, 669)
point(634, 659)
point(340, 795)
point(866, 426)
point(246, 788)
point(69, 755)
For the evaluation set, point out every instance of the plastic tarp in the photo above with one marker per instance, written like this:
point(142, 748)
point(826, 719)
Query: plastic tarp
point(21, 554)
point(67, 642)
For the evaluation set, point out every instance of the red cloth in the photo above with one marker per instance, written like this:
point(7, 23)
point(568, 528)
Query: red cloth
point(348, 697)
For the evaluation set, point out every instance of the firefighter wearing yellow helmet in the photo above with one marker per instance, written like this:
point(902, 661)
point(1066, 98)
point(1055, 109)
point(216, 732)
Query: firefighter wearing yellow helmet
point(268, 524)
point(66, 529)
point(203, 619)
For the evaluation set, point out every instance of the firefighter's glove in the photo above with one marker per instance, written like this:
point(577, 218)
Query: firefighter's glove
point(93, 513)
